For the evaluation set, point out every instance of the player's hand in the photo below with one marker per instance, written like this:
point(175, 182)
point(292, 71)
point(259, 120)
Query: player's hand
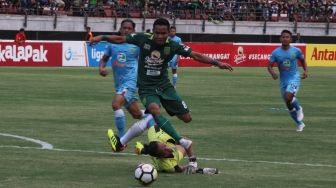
point(95, 40)
point(227, 66)
point(274, 76)
point(103, 71)
point(304, 75)
point(191, 168)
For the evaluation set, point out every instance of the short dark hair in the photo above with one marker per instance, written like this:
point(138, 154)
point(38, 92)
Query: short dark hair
point(161, 21)
point(128, 20)
point(172, 27)
point(21, 29)
point(286, 31)
point(151, 149)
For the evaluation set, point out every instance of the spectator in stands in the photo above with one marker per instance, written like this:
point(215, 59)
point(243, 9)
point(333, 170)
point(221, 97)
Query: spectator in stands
point(20, 37)
point(60, 4)
point(298, 38)
point(89, 34)
point(25, 4)
point(77, 6)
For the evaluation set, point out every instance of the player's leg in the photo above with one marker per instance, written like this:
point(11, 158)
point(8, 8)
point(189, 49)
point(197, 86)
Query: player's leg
point(174, 105)
point(135, 111)
point(289, 93)
point(131, 104)
point(173, 65)
point(294, 108)
point(137, 129)
point(174, 77)
point(119, 115)
point(119, 143)
point(152, 103)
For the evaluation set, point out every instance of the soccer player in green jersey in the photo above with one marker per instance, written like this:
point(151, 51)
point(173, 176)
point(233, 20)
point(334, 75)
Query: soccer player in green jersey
point(155, 88)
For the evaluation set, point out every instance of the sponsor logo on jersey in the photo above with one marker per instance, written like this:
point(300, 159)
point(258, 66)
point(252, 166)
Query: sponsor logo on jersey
point(286, 64)
point(154, 58)
point(155, 55)
point(121, 57)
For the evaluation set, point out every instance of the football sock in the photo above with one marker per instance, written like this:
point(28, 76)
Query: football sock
point(174, 79)
point(295, 103)
point(136, 129)
point(120, 121)
point(167, 127)
point(293, 114)
point(143, 113)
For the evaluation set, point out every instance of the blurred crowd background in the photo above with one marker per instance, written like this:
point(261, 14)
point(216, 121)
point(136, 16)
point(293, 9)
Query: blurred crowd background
point(212, 10)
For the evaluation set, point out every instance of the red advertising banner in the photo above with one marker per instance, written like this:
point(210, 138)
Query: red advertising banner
point(236, 54)
point(219, 51)
point(47, 54)
point(254, 55)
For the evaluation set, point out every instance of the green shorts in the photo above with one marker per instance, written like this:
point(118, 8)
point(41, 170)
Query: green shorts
point(167, 97)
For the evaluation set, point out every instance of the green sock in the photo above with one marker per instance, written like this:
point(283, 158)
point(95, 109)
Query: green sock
point(167, 127)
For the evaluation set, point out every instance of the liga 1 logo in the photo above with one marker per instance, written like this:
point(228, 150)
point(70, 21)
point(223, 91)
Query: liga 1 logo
point(23, 53)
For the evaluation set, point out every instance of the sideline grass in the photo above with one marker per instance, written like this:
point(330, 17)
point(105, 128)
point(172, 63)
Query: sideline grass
point(235, 116)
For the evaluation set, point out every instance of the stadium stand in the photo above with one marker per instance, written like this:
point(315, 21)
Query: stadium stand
point(213, 10)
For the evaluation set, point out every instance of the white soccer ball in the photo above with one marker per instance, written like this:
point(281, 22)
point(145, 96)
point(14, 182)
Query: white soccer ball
point(145, 174)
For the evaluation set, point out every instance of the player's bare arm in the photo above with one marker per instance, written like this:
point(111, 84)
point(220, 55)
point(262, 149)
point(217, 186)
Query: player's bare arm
point(109, 38)
point(102, 65)
point(207, 60)
point(271, 71)
point(305, 69)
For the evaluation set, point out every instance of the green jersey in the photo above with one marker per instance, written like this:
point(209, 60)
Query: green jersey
point(154, 59)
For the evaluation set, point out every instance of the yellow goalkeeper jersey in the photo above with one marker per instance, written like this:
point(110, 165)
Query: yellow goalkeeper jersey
point(164, 164)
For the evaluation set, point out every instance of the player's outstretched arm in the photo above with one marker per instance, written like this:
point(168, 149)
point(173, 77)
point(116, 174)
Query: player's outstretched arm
point(109, 38)
point(207, 60)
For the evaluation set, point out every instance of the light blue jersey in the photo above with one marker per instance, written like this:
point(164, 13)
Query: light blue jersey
point(173, 62)
point(286, 61)
point(124, 58)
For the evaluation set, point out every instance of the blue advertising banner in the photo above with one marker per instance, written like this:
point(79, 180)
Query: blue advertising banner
point(95, 53)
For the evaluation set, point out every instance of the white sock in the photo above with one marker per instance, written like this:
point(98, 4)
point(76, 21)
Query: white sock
point(185, 143)
point(136, 129)
point(143, 113)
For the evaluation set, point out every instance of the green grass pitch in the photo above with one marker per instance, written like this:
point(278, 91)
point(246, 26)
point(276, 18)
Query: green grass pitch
point(239, 126)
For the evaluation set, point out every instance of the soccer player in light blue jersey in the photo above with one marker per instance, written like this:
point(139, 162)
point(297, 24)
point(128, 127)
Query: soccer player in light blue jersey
point(285, 58)
point(173, 63)
point(124, 59)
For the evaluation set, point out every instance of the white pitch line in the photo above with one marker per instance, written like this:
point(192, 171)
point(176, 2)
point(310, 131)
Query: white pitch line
point(199, 158)
point(44, 145)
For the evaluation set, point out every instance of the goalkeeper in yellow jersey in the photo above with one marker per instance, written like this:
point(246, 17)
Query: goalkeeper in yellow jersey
point(165, 153)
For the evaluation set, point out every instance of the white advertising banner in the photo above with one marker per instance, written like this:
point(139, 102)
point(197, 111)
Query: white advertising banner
point(74, 54)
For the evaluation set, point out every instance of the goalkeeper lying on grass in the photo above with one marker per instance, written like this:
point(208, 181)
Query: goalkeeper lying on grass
point(165, 153)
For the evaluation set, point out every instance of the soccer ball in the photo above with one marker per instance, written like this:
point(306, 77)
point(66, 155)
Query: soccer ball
point(145, 174)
